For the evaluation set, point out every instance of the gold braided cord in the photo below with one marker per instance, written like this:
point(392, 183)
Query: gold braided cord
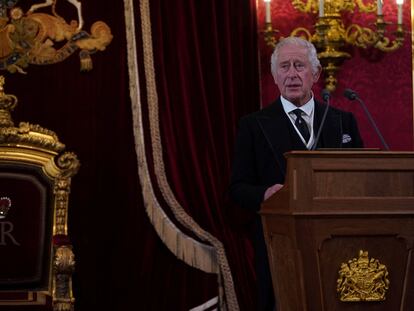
point(224, 270)
point(179, 243)
point(208, 258)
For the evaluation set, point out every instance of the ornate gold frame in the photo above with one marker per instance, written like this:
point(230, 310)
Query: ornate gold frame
point(34, 146)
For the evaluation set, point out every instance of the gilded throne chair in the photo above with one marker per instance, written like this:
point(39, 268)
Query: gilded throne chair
point(36, 258)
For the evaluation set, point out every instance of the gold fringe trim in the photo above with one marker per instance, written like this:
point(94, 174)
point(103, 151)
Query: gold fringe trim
point(179, 243)
point(209, 258)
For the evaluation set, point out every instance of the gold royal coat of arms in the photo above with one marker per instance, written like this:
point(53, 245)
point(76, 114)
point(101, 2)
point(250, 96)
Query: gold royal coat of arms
point(35, 37)
point(362, 279)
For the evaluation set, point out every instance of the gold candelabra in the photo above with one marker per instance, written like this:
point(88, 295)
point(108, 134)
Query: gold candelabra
point(331, 36)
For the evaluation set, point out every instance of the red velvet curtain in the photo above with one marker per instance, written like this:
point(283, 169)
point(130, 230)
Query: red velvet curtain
point(206, 66)
point(206, 62)
point(207, 77)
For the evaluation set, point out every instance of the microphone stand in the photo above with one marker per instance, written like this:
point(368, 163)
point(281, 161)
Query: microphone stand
point(351, 95)
point(325, 96)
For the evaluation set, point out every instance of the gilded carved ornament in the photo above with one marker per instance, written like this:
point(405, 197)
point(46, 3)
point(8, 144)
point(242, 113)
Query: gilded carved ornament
point(362, 279)
point(335, 31)
point(64, 265)
point(40, 38)
point(34, 145)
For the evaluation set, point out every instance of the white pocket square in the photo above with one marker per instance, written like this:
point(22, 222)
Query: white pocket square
point(346, 138)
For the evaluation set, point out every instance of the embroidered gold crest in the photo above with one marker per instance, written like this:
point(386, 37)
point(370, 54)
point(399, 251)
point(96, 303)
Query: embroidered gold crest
point(362, 279)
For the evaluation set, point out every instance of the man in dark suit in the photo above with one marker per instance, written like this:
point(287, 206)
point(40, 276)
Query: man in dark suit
point(290, 123)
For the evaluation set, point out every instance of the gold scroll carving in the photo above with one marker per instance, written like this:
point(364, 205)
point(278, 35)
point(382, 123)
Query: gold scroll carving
point(39, 38)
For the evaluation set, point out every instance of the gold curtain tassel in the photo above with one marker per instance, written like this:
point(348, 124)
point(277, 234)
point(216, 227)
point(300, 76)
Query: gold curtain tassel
point(85, 61)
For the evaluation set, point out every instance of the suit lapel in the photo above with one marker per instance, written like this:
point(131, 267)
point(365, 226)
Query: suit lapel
point(282, 137)
point(277, 129)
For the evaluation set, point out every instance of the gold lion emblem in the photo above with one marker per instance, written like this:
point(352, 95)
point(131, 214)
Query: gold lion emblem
point(362, 279)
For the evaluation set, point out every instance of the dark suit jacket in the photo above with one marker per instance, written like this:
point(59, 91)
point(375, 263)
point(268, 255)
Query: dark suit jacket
point(264, 136)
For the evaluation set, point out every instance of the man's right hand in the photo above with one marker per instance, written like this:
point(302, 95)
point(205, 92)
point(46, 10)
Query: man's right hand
point(272, 190)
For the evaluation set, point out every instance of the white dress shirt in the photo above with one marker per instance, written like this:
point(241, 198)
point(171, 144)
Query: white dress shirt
point(307, 115)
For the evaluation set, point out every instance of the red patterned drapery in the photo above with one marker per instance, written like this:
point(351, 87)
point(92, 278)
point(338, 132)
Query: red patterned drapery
point(382, 80)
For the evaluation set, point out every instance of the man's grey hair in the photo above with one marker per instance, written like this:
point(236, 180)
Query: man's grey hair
point(312, 54)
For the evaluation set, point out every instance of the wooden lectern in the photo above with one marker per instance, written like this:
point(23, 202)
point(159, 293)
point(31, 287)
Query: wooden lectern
point(340, 232)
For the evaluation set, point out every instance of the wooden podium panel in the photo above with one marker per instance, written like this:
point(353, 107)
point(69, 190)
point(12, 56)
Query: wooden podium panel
point(333, 205)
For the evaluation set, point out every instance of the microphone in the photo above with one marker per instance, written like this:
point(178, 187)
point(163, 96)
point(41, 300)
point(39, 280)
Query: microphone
point(352, 95)
point(326, 95)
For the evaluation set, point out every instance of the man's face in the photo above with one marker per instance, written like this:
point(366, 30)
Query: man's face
point(294, 76)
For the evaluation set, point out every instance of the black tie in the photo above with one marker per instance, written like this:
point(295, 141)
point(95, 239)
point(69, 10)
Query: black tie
point(301, 124)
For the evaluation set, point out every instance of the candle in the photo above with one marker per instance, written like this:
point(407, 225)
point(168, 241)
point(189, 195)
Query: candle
point(400, 11)
point(379, 7)
point(321, 8)
point(268, 18)
point(400, 16)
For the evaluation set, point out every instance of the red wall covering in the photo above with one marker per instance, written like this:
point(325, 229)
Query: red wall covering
point(382, 80)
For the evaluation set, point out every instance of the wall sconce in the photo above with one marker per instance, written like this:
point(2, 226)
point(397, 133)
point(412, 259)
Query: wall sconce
point(331, 36)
